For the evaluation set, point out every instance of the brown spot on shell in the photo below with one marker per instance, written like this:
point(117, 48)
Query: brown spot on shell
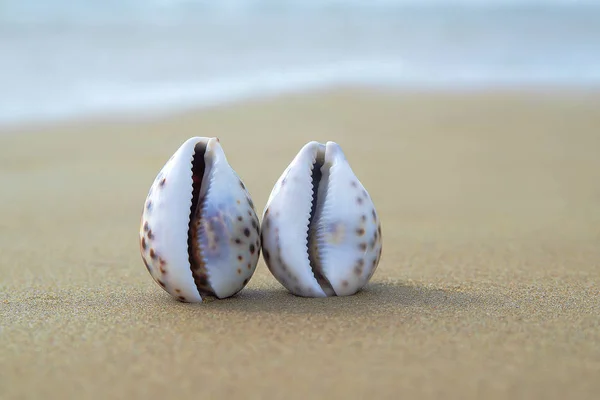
point(249, 266)
point(239, 202)
point(246, 281)
point(242, 185)
point(181, 298)
point(363, 247)
point(162, 182)
point(146, 226)
point(363, 218)
point(254, 224)
point(345, 283)
point(374, 214)
point(240, 218)
point(152, 254)
point(238, 241)
point(178, 290)
point(358, 268)
point(252, 249)
point(354, 184)
point(150, 235)
point(359, 200)
point(149, 205)
point(240, 258)
point(247, 232)
point(239, 271)
point(360, 231)
point(144, 245)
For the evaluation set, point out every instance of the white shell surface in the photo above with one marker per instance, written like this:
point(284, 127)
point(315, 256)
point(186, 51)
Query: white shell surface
point(344, 237)
point(285, 226)
point(225, 239)
point(229, 232)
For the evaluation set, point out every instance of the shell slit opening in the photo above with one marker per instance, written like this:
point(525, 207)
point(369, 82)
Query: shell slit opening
point(197, 264)
point(318, 195)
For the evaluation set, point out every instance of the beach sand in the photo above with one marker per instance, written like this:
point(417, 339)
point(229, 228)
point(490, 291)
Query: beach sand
point(488, 286)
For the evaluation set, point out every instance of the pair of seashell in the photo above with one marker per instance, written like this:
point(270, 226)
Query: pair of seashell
point(200, 235)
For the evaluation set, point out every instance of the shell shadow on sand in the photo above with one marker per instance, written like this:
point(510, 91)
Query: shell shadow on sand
point(375, 298)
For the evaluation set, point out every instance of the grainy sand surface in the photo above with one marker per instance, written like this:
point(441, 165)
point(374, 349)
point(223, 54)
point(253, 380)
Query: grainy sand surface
point(488, 286)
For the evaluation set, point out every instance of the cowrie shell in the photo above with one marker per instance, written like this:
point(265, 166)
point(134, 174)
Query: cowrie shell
point(199, 232)
point(321, 235)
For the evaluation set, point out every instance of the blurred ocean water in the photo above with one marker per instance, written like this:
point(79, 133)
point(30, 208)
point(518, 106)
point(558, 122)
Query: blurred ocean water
point(65, 58)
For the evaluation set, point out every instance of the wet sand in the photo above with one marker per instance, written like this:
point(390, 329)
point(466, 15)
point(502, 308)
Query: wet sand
point(488, 286)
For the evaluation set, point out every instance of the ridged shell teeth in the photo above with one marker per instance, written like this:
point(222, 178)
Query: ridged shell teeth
point(321, 234)
point(199, 233)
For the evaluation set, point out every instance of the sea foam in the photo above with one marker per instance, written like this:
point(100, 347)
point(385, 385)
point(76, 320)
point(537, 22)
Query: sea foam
point(62, 59)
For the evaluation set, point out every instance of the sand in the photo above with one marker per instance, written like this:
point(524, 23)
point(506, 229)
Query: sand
point(488, 286)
